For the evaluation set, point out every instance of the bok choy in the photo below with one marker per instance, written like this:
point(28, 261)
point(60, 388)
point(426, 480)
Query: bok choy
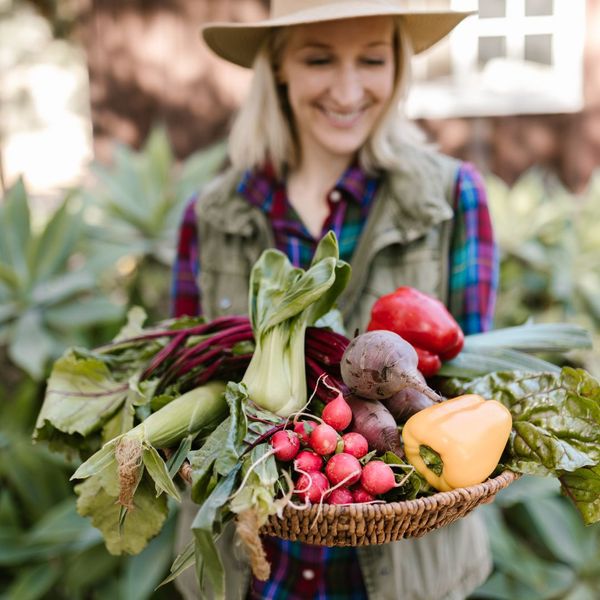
point(283, 302)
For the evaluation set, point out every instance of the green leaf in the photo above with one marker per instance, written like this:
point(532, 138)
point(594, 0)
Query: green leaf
point(64, 286)
point(583, 488)
point(475, 363)
point(174, 463)
point(34, 583)
point(184, 560)
point(81, 397)
point(103, 459)
point(157, 151)
point(83, 312)
point(528, 577)
point(200, 168)
point(556, 418)
point(56, 244)
point(157, 469)
point(33, 345)
point(228, 458)
point(15, 231)
point(558, 525)
point(144, 571)
point(9, 278)
point(98, 501)
point(206, 526)
point(556, 428)
point(532, 337)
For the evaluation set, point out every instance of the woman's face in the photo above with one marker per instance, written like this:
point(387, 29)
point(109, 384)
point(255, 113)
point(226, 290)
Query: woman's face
point(340, 78)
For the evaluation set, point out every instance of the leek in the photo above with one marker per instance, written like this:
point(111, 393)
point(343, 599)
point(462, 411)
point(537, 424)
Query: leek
point(283, 302)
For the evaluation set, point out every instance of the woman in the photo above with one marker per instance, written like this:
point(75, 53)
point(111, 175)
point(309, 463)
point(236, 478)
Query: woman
point(320, 145)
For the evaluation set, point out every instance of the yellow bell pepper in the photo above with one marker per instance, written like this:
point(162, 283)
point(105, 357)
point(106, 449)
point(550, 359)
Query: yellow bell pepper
point(468, 433)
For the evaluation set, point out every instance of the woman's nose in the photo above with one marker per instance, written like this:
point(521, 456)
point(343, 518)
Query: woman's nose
point(347, 87)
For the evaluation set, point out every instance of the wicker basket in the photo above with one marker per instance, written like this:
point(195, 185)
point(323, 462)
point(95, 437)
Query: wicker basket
point(366, 524)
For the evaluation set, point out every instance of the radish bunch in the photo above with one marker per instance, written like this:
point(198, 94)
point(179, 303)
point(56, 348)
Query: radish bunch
point(326, 460)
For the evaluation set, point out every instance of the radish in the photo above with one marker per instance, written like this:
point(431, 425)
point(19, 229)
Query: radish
point(355, 444)
point(303, 429)
point(340, 496)
point(286, 444)
point(377, 478)
point(337, 413)
point(308, 461)
point(343, 468)
point(323, 439)
point(312, 486)
point(360, 495)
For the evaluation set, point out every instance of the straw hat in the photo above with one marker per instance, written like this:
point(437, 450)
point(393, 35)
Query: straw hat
point(239, 42)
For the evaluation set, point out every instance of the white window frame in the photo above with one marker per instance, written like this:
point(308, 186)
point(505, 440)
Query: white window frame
point(511, 85)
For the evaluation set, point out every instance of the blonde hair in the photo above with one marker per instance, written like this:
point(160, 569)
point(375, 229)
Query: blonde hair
point(263, 128)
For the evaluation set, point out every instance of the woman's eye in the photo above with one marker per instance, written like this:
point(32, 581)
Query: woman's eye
point(373, 62)
point(317, 61)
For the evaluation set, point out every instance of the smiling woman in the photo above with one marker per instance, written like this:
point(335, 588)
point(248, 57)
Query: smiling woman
point(320, 145)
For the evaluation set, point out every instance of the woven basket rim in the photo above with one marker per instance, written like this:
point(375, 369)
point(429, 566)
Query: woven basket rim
point(438, 500)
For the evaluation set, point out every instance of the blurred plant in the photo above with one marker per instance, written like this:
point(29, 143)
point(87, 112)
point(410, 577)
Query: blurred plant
point(550, 244)
point(49, 295)
point(134, 212)
point(541, 549)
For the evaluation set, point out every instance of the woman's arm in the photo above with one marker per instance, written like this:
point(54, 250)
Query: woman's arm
point(474, 262)
point(185, 295)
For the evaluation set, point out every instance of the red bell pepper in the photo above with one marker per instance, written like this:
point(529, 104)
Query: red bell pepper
point(421, 320)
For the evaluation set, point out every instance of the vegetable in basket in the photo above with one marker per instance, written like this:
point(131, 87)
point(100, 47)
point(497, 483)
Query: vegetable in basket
point(421, 320)
point(458, 442)
point(284, 301)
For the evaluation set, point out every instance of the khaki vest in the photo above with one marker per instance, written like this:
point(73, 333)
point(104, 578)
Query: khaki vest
point(405, 242)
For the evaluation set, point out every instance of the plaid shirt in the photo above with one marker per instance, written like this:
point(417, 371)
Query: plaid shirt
point(300, 571)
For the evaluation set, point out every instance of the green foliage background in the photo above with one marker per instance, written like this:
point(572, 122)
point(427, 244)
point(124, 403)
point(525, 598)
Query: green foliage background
point(110, 245)
point(69, 281)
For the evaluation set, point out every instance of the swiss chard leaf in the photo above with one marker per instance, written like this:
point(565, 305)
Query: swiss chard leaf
point(82, 396)
point(556, 428)
point(583, 487)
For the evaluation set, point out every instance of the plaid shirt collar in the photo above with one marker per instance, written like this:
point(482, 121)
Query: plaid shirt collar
point(262, 188)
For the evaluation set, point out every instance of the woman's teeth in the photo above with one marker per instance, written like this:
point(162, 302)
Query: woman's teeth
point(343, 117)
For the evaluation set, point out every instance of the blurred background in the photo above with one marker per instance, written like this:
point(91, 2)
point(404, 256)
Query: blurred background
point(113, 113)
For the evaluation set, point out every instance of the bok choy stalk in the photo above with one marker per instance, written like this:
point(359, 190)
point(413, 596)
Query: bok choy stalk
point(283, 302)
point(202, 408)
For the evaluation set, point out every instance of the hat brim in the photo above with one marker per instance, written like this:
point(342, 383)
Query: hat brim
point(239, 42)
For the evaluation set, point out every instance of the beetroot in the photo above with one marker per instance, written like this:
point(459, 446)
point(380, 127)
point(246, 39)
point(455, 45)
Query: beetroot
point(377, 364)
point(343, 468)
point(373, 421)
point(407, 402)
